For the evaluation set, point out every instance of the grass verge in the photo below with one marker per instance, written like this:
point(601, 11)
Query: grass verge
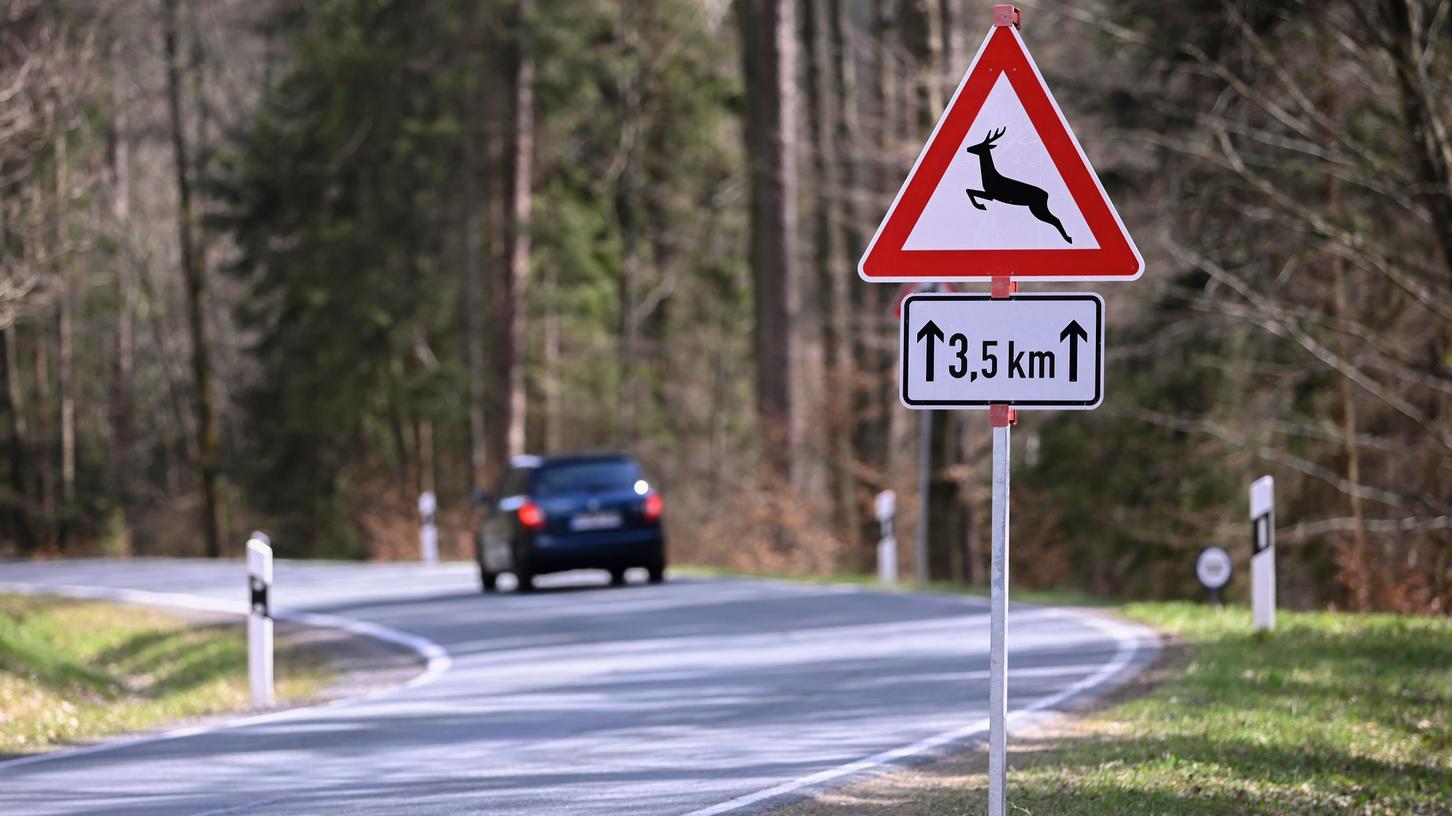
point(1330, 714)
point(76, 670)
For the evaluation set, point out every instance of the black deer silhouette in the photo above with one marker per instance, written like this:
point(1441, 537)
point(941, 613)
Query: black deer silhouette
point(1010, 191)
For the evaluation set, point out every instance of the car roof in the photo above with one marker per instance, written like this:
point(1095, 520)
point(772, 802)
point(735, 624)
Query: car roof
point(532, 461)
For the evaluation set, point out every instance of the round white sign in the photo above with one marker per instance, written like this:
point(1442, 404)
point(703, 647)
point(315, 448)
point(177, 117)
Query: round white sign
point(1213, 567)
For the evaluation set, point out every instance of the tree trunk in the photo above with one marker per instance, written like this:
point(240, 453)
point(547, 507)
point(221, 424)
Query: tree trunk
point(922, 30)
point(43, 428)
point(66, 384)
point(1405, 40)
point(626, 196)
point(830, 270)
point(768, 56)
point(950, 71)
point(1362, 579)
point(509, 294)
point(857, 299)
point(474, 292)
point(65, 357)
point(17, 501)
point(122, 420)
point(627, 204)
point(195, 278)
point(1358, 576)
point(946, 518)
point(554, 429)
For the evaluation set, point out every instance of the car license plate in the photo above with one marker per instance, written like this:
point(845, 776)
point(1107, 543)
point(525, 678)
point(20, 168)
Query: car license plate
point(603, 520)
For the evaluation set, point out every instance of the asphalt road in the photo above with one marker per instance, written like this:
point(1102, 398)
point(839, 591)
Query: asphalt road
point(693, 697)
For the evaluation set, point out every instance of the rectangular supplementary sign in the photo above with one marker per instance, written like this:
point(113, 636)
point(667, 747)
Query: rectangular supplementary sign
point(1031, 351)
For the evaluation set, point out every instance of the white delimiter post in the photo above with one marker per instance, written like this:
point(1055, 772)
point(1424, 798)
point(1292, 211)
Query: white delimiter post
point(259, 620)
point(1263, 555)
point(886, 506)
point(428, 532)
point(1002, 418)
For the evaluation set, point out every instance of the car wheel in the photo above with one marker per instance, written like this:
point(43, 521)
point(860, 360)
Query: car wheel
point(524, 582)
point(488, 581)
point(657, 573)
point(617, 577)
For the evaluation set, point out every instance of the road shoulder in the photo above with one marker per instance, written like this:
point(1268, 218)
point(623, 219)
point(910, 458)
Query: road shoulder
point(130, 702)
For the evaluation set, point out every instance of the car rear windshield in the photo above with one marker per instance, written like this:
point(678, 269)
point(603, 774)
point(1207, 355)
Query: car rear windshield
point(578, 477)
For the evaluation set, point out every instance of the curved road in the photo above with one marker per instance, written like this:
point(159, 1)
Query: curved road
point(694, 697)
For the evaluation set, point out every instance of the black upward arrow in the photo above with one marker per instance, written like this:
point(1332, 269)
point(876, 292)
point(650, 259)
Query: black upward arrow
point(1073, 333)
point(931, 333)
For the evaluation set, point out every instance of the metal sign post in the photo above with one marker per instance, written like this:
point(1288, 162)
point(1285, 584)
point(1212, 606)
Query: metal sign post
point(887, 544)
point(428, 534)
point(259, 619)
point(1001, 190)
point(1263, 559)
point(1001, 417)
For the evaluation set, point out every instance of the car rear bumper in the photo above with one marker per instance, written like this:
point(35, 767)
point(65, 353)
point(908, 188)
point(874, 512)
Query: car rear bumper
point(615, 549)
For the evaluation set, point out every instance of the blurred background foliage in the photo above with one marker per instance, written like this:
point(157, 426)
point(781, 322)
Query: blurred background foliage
point(286, 264)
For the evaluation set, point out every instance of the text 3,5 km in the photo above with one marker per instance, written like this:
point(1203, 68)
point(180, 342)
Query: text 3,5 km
point(995, 358)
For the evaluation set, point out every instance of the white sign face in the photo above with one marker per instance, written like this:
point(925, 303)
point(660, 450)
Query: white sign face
point(1213, 568)
point(1031, 351)
point(1018, 153)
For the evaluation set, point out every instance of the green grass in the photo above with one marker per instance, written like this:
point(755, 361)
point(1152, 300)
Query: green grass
point(75, 670)
point(1330, 714)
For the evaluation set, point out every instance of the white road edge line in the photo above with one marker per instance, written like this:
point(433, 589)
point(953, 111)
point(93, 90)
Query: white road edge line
point(1127, 640)
point(436, 658)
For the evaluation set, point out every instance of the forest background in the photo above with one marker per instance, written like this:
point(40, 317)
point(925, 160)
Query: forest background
point(286, 264)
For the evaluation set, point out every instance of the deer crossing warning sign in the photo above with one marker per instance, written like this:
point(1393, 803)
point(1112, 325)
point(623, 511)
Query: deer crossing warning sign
point(1002, 189)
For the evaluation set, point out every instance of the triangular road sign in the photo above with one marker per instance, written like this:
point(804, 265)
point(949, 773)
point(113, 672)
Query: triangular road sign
point(1002, 188)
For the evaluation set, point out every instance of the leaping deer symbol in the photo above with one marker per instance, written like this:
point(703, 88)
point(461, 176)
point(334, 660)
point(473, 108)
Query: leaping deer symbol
point(1009, 191)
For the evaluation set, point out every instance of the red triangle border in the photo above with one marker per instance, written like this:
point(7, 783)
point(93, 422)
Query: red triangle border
point(1117, 258)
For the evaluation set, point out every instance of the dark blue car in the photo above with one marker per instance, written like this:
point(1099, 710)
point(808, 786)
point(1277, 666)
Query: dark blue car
point(557, 513)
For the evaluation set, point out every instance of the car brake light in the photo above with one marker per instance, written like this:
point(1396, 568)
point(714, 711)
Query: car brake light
point(654, 506)
point(531, 516)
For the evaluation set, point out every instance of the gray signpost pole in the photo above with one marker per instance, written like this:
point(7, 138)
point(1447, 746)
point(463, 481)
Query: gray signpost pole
point(1001, 417)
point(998, 600)
point(1004, 352)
